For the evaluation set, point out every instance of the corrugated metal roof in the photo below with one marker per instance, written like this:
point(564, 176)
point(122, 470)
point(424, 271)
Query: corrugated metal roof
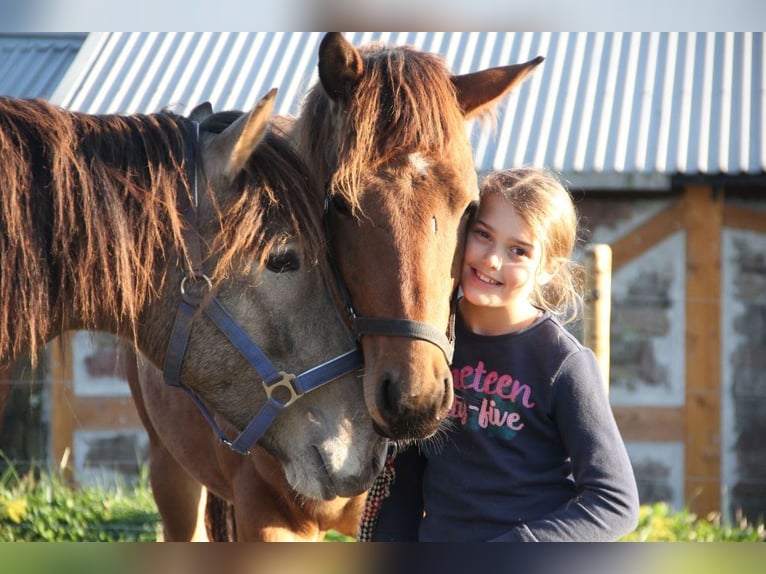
point(31, 66)
point(605, 109)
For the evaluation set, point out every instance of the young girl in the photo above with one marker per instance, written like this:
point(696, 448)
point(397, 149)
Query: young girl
point(532, 451)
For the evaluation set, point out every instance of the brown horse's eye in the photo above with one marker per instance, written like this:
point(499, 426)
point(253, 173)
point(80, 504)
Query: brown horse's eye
point(470, 211)
point(283, 262)
point(341, 205)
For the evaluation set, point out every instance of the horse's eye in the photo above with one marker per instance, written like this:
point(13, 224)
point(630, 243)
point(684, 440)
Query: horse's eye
point(283, 262)
point(341, 205)
point(470, 210)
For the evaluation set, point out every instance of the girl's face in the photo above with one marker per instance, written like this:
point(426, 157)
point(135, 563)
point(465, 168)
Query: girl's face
point(501, 260)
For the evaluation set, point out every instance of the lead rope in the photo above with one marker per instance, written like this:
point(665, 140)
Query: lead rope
point(378, 492)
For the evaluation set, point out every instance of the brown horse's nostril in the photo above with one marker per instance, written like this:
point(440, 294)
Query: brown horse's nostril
point(388, 396)
point(447, 397)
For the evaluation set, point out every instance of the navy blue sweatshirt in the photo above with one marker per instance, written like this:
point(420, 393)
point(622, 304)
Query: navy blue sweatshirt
point(532, 453)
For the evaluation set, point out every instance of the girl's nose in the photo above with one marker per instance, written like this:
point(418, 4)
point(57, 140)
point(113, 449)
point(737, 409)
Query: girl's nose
point(494, 261)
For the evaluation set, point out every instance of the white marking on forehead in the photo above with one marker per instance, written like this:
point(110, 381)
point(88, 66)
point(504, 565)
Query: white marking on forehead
point(420, 163)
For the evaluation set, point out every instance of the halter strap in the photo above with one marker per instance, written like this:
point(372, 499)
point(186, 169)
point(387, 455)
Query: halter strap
point(389, 327)
point(282, 389)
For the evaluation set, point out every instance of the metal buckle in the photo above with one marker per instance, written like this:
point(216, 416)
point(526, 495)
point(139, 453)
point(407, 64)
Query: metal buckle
point(191, 279)
point(286, 381)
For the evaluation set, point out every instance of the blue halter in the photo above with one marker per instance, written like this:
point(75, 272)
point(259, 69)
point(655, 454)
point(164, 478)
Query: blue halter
point(282, 389)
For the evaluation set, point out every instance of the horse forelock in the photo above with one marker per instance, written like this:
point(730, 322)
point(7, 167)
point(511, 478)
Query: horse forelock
point(86, 215)
point(274, 199)
point(405, 103)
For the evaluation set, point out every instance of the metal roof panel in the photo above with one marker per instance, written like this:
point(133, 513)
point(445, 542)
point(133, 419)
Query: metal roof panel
point(633, 107)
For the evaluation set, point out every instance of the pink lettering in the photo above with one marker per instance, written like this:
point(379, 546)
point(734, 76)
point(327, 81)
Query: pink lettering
point(514, 421)
point(516, 388)
point(489, 383)
point(465, 372)
point(489, 414)
point(520, 388)
point(479, 373)
point(459, 410)
point(492, 383)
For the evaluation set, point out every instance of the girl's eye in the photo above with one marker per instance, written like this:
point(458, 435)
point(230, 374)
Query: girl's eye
point(283, 262)
point(481, 233)
point(518, 251)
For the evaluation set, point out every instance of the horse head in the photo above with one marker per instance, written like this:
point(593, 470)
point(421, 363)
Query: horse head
point(262, 248)
point(385, 129)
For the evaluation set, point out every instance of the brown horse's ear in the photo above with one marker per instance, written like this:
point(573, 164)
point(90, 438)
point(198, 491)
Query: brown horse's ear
point(201, 111)
point(479, 91)
point(238, 141)
point(340, 66)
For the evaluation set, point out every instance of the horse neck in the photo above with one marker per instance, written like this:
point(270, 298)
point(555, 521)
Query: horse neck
point(86, 238)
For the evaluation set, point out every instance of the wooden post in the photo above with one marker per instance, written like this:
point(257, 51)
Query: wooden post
point(703, 219)
point(598, 304)
point(62, 404)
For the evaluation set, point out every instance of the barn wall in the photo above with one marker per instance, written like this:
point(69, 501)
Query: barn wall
point(647, 334)
point(688, 329)
point(744, 364)
point(96, 436)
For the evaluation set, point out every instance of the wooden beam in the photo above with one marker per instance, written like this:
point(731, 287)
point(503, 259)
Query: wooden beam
point(106, 413)
point(702, 215)
point(660, 424)
point(62, 403)
point(744, 219)
point(645, 236)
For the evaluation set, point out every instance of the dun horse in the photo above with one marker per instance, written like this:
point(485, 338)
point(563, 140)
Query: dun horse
point(195, 242)
point(385, 130)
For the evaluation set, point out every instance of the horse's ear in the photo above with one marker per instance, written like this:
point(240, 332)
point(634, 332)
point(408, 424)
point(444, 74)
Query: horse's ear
point(201, 111)
point(479, 91)
point(237, 142)
point(340, 66)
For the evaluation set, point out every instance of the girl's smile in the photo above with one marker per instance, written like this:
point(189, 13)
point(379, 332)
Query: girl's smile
point(484, 278)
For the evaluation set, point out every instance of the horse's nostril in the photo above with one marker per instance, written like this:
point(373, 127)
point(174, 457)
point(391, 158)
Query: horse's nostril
point(386, 400)
point(388, 395)
point(447, 396)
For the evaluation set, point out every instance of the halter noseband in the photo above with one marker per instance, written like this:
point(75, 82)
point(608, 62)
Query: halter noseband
point(390, 327)
point(282, 389)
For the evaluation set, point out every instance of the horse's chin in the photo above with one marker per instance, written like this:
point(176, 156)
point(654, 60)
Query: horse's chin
point(314, 476)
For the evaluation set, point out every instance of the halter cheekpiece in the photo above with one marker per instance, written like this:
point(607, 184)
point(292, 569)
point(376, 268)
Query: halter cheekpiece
point(282, 389)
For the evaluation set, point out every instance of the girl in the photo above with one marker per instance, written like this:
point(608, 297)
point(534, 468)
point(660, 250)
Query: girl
point(532, 452)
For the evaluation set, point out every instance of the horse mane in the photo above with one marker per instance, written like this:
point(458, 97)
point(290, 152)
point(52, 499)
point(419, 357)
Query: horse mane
point(88, 215)
point(405, 101)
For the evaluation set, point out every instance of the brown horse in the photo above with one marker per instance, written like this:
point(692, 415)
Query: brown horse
point(121, 223)
point(385, 128)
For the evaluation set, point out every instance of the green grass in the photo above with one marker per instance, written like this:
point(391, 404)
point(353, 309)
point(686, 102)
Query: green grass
point(43, 507)
point(40, 506)
point(658, 523)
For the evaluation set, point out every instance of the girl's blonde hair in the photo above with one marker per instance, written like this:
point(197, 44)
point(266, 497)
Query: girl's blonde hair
point(545, 205)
